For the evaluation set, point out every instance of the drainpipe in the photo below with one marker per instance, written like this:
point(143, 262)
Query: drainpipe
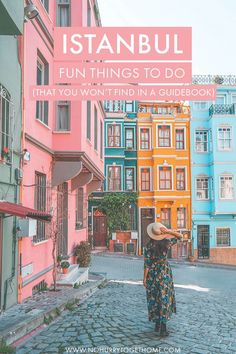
point(20, 240)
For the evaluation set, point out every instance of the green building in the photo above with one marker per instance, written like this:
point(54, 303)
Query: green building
point(11, 27)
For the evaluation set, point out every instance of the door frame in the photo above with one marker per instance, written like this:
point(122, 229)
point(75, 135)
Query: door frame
point(208, 242)
point(93, 209)
point(140, 226)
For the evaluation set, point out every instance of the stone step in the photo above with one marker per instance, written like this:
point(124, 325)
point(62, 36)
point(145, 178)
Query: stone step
point(76, 275)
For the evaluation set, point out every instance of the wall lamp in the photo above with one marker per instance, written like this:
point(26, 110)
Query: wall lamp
point(30, 12)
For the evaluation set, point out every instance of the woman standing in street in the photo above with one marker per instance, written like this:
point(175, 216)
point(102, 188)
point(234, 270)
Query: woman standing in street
point(158, 279)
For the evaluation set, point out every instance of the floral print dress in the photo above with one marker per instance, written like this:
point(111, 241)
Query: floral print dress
point(160, 288)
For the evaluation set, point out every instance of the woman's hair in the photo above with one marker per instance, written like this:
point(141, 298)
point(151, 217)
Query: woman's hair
point(159, 247)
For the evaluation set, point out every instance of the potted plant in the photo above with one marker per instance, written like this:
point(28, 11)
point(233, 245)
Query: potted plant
point(59, 259)
point(65, 266)
point(75, 252)
point(83, 254)
point(6, 153)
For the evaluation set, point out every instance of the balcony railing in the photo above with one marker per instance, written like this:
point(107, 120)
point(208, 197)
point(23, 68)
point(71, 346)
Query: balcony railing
point(114, 106)
point(222, 109)
point(162, 109)
point(225, 80)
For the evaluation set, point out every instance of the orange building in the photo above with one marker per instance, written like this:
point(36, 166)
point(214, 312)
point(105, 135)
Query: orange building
point(163, 165)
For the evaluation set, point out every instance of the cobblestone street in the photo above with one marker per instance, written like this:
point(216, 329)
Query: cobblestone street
point(116, 315)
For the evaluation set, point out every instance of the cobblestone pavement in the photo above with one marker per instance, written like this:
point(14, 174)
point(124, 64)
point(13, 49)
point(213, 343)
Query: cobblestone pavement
point(116, 315)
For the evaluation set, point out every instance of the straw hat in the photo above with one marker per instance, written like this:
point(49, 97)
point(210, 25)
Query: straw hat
point(154, 231)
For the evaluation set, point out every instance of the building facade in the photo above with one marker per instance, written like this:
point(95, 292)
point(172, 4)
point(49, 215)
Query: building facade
point(65, 143)
point(213, 149)
point(120, 163)
point(163, 170)
point(11, 28)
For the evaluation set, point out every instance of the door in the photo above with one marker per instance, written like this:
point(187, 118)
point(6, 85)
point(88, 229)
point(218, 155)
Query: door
point(147, 217)
point(62, 218)
point(203, 241)
point(99, 229)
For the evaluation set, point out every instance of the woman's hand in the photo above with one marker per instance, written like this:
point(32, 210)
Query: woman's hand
point(145, 282)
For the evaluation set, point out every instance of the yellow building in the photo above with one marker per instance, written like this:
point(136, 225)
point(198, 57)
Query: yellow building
point(163, 165)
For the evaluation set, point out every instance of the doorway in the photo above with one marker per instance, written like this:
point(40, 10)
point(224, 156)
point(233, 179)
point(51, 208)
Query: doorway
point(99, 229)
point(62, 218)
point(203, 241)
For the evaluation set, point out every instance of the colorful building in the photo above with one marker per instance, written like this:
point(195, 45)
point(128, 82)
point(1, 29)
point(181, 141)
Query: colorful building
point(213, 149)
point(11, 28)
point(120, 163)
point(65, 143)
point(163, 170)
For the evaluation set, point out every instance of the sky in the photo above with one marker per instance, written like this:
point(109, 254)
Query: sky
point(213, 23)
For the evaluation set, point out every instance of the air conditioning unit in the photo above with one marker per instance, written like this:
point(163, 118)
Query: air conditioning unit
point(27, 227)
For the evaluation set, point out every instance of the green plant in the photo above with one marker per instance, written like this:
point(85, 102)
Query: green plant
point(76, 286)
point(57, 311)
point(70, 306)
point(116, 207)
point(84, 254)
point(59, 258)
point(4, 348)
point(48, 320)
point(65, 264)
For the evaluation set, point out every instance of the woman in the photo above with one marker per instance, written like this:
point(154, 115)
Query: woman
point(158, 279)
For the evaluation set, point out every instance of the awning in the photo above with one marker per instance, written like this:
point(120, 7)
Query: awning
point(23, 212)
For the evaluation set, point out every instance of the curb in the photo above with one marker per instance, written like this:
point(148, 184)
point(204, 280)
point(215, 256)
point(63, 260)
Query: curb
point(23, 328)
point(172, 261)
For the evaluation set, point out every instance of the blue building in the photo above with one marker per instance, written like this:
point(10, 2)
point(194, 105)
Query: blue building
point(213, 155)
point(120, 163)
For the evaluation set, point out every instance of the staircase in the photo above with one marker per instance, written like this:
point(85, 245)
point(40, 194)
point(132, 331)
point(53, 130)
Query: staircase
point(76, 275)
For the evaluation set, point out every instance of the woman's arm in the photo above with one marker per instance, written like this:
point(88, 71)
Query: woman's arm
point(171, 232)
point(146, 270)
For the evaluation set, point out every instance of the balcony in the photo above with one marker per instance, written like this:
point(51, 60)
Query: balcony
point(114, 106)
point(222, 109)
point(223, 80)
point(163, 109)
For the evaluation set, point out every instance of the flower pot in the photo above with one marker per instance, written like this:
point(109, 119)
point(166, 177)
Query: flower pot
point(65, 270)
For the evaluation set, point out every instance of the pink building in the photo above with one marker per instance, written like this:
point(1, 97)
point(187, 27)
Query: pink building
point(65, 142)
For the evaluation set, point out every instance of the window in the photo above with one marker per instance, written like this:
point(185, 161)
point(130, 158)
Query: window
point(164, 136)
point(95, 128)
point(145, 179)
point(114, 178)
point(200, 106)
point(233, 99)
point(165, 180)
point(220, 99)
point(5, 124)
point(45, 4)
point(129, 106)
point(101, 140)
point(165, 217)
point(180, 179)
point(40, 204)
point(202, 188)
point(144, 139)
point(114, 135)
point(179, 139)
point(79, 212)
point(129, 138)
point(89, 14)
point(225, 138)
point(226, 187)
point(42, 79)
point(201, 140)
point(181, 218)
point(223, 236)
point(63, 116)
point(132, 225)
point(89, 120)
point(63, 13)
point(129, 179)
